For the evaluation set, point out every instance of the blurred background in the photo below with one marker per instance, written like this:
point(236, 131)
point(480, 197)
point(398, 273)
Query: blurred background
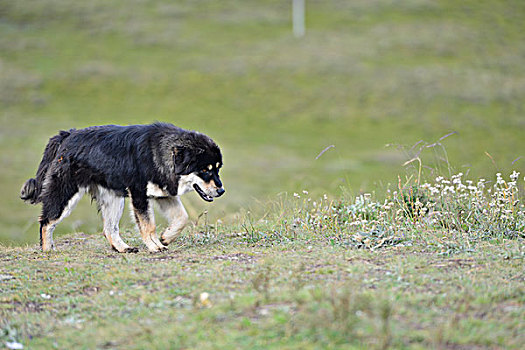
point(366, 74)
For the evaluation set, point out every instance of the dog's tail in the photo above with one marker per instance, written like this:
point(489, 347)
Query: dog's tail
point(33, 187)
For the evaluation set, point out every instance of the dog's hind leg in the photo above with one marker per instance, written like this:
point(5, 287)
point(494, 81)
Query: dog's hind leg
point(145, 218)
point(111, 207)
point(56, 207)
point(177, 216)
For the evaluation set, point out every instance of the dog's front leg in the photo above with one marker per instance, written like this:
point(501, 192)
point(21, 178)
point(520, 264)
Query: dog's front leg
point(146, 222)
point(176, 215)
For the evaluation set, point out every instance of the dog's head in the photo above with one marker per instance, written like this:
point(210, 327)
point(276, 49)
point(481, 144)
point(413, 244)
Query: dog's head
point(197, 162)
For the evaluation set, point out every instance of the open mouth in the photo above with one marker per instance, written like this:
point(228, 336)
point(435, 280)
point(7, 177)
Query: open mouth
point(202, 194)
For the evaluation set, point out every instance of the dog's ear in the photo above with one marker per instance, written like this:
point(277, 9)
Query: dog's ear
point(180, 160)
point(185, 159)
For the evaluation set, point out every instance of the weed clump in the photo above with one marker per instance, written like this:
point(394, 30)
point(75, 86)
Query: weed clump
point(454, 206)
point(478, 209)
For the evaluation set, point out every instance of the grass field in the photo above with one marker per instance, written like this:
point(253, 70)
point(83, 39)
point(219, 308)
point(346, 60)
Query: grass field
point(351, 250)
point(435, 265)
point(367, 74)
point(270, 294)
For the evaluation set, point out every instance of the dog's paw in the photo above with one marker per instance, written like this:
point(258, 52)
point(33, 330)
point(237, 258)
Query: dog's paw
point(130, 250)
point(164, 242)
point(49, 248)
point(161, 245)
point(156, 250)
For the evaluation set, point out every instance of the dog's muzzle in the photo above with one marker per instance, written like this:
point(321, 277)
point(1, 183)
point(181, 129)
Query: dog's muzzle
point(207, 197)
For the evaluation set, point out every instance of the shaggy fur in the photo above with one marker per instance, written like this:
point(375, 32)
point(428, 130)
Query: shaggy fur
point(145, 162)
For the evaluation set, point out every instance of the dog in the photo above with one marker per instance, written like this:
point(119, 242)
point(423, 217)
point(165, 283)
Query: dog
point(157, 162)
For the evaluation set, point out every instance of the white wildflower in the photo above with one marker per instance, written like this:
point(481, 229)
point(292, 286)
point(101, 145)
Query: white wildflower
point(449, 189)
point(499, 179)
point(460, 187)
point(456, 179)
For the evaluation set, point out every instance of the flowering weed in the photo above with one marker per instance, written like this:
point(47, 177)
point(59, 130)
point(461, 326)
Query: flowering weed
point(455, 207)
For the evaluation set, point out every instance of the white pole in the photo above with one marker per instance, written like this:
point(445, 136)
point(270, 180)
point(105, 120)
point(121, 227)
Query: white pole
point(298, 18)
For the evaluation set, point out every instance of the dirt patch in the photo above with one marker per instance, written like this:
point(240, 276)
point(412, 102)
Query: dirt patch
point(456, 263)
point(237, 257)
point(7, 257)
point(163, 258)
point(108, 256)
point(31, 306)
point(366, 261)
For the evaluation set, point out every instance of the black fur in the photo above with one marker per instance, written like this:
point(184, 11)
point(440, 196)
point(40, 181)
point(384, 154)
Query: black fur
point(33, 187)
point(119, 158)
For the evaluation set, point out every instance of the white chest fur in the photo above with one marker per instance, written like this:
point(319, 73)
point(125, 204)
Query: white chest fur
point(153, 190)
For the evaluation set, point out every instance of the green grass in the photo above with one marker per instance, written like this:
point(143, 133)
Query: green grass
point(295, 294)
point(365, 75)
point(434, 265)
point(399, 267)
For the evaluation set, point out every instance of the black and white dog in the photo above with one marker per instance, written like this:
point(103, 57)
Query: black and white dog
point(145, 162)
